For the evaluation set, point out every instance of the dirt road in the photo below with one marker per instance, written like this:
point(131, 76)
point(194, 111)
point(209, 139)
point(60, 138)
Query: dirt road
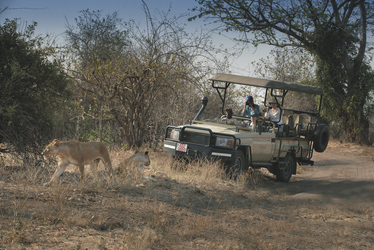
point(341, 173)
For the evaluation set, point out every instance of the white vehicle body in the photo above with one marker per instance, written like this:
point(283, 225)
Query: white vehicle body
point(241, 146)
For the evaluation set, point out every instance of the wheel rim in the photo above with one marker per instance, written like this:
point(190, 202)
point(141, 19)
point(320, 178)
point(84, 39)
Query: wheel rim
point(287, 170)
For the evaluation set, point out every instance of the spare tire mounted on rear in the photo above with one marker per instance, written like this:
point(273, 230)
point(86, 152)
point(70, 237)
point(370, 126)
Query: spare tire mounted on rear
point(321, 138)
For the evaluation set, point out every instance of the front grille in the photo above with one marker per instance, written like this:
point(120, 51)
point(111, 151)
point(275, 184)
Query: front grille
point(193, 136)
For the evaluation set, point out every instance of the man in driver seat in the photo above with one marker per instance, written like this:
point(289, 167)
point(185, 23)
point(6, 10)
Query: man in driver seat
point(275, 114)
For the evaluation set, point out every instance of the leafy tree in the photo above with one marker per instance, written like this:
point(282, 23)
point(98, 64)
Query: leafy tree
point(32, 87)
point(95, 44)
point(142, 78)
point(334, 31)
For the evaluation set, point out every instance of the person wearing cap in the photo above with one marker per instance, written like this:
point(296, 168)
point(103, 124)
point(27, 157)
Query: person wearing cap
point(251, 110)
point(274, 112)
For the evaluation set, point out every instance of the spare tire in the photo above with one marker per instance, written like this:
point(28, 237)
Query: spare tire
point(321, 138)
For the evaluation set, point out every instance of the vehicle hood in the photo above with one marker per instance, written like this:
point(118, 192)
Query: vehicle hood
point(217, 128)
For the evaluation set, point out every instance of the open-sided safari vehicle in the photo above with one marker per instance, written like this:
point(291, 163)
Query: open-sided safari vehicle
point(239, 145)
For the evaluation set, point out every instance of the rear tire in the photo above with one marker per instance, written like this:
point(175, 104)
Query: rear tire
point(284, 174)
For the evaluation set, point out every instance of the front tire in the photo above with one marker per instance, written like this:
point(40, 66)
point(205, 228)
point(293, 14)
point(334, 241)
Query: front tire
point(239, 165)
point(284, 173)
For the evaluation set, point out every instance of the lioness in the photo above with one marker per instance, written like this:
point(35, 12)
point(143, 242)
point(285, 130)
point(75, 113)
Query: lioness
point(79, 154)
point(135, 162)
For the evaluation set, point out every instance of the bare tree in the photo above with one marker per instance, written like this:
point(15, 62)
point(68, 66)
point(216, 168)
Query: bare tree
point(144, 78)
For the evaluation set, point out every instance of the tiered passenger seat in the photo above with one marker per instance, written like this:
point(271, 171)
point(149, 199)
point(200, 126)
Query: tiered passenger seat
point(299, 125)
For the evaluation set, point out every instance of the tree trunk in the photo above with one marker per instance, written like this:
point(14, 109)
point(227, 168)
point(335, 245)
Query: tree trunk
point(355, 123)
point(101, 122)
point(356, 131)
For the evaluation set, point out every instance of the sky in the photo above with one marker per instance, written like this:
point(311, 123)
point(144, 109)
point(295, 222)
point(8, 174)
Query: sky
point(52, 17)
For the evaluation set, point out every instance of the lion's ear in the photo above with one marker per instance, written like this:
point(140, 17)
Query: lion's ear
point(55, 142)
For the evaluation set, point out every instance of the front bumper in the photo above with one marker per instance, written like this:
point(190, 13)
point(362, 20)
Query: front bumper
point(193, 151)
point(193, 142)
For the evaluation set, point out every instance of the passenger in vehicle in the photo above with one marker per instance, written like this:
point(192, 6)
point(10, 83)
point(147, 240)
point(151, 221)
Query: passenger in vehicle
point(229, 114)
point(274, 112)
point(228, 117)
point(251, 110)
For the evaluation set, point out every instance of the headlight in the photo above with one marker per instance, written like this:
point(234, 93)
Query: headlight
point(174, 134)
point(225, 142)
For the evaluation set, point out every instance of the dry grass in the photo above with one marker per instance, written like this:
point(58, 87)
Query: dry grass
point(193, 206)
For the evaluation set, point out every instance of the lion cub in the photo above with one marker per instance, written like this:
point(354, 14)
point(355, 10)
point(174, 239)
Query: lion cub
point(134, 164)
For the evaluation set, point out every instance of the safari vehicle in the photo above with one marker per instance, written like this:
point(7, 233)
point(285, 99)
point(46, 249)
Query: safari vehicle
point(240, 146)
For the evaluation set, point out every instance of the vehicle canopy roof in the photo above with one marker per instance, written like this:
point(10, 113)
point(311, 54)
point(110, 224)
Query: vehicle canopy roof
point(257, 82)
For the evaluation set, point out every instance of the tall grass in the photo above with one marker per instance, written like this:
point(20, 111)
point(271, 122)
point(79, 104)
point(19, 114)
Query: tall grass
point(200, 173)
